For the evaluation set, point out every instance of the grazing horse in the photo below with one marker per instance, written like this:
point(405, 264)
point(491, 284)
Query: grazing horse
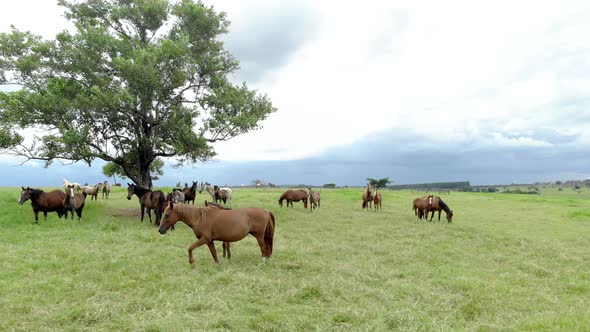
point(368, 197)
point(377, 199)
point(92, 191)
point(314, 199)
point(74, 202)
point(222, 194)
point(52, 201)
point(77, 186)
point(106, 190)
point(213, 224)
point(437, 204)
point(148, 200)
point(294, 195)
point(190, 193)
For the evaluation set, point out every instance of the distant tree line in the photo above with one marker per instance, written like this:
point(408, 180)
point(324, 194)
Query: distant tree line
point(436, 185)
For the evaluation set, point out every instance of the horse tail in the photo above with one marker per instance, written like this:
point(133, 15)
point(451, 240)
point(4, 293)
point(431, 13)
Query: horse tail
point(269, 233)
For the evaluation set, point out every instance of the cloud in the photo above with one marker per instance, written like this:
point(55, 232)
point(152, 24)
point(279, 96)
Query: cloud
point(267, 34)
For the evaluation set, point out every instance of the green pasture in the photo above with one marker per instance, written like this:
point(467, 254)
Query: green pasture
point(507, 262)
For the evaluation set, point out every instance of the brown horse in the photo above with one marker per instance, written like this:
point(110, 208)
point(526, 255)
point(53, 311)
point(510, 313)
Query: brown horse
point(225, 245)
point(377, 199)
point(74, 202)
point(148, 200)
point(52, 201)
point(190, 193)
point(294, 195)
point(213, 224)
point(437, 204)
point(314, 199)
point(222, 194)
point(421, 206)
point(368, 197)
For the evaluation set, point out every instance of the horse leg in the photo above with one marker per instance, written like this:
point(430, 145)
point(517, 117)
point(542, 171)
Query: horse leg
point(439, 215)
point(226, 248)
point(142, 212)
point(260, 239)
point(45, 215)
point(213, 251)
point(149, 211)
point(36, 216)
point(199, 243)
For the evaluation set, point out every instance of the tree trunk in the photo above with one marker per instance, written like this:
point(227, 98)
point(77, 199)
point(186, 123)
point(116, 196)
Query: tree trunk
point(145, 177)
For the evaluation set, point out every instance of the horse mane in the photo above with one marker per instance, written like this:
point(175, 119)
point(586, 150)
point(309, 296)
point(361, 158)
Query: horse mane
point(187, 212)
point(36, 192)
point(444, 205)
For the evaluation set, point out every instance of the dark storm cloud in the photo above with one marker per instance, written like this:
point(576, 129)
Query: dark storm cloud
point(266, 37)
point(403, 157)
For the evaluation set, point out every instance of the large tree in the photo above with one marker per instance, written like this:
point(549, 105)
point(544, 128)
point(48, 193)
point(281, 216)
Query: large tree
point(136, 80)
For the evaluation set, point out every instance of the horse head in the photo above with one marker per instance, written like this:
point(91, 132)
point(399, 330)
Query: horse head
point(130, 190)
point(70, 190)
point(450, 216)
point(169, 218)
point(25, 195)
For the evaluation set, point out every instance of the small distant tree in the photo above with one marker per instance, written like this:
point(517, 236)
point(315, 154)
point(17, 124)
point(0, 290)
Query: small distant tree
point(329, 185)
point(257, 182)
point(381, 183)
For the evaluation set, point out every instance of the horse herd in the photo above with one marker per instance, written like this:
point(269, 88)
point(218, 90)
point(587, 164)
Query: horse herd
point(210, 223)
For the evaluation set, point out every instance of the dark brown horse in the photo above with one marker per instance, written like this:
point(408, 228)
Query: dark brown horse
point(294, 195)
point(377, 199)
point(190, 193)
point(148, 200)
point(52, 201)
point(368, 197)
point(314, 199)
point(213, 224)
point(437, 204)
point(74, 201)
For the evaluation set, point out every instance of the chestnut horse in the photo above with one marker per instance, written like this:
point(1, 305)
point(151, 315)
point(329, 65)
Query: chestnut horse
point(437, 204)
point(148, 200)
point(368, 197)
point(314, 199)
point(377, 199)
point(213, 224)
point(190, 193)
point(294, 195)
point(52, 201)
point(225, 245)
point(74, 202)
point(421, 205)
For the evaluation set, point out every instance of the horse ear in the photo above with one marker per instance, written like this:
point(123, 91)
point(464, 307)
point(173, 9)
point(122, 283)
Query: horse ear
point(206, 203)
point(23, 188)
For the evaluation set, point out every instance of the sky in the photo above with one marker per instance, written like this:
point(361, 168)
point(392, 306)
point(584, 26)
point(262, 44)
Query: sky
point(417, 91)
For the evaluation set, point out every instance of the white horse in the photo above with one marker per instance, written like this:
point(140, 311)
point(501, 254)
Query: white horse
point(92, 191)
point(76, 185)
point(217, 194)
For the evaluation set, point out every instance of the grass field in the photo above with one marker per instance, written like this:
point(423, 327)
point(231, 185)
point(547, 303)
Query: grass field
point(507, 262)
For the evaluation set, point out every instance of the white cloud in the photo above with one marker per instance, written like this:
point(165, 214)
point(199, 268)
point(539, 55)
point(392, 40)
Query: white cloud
point(448, 70)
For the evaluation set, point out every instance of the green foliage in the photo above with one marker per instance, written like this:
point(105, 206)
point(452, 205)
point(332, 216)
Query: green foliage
point(381, 183)
point(137, 80)
point(329, 185)
point(114, 170)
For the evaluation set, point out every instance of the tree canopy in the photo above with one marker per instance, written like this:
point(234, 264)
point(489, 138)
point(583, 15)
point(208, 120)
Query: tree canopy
point(379, 183)
point(136, 80)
